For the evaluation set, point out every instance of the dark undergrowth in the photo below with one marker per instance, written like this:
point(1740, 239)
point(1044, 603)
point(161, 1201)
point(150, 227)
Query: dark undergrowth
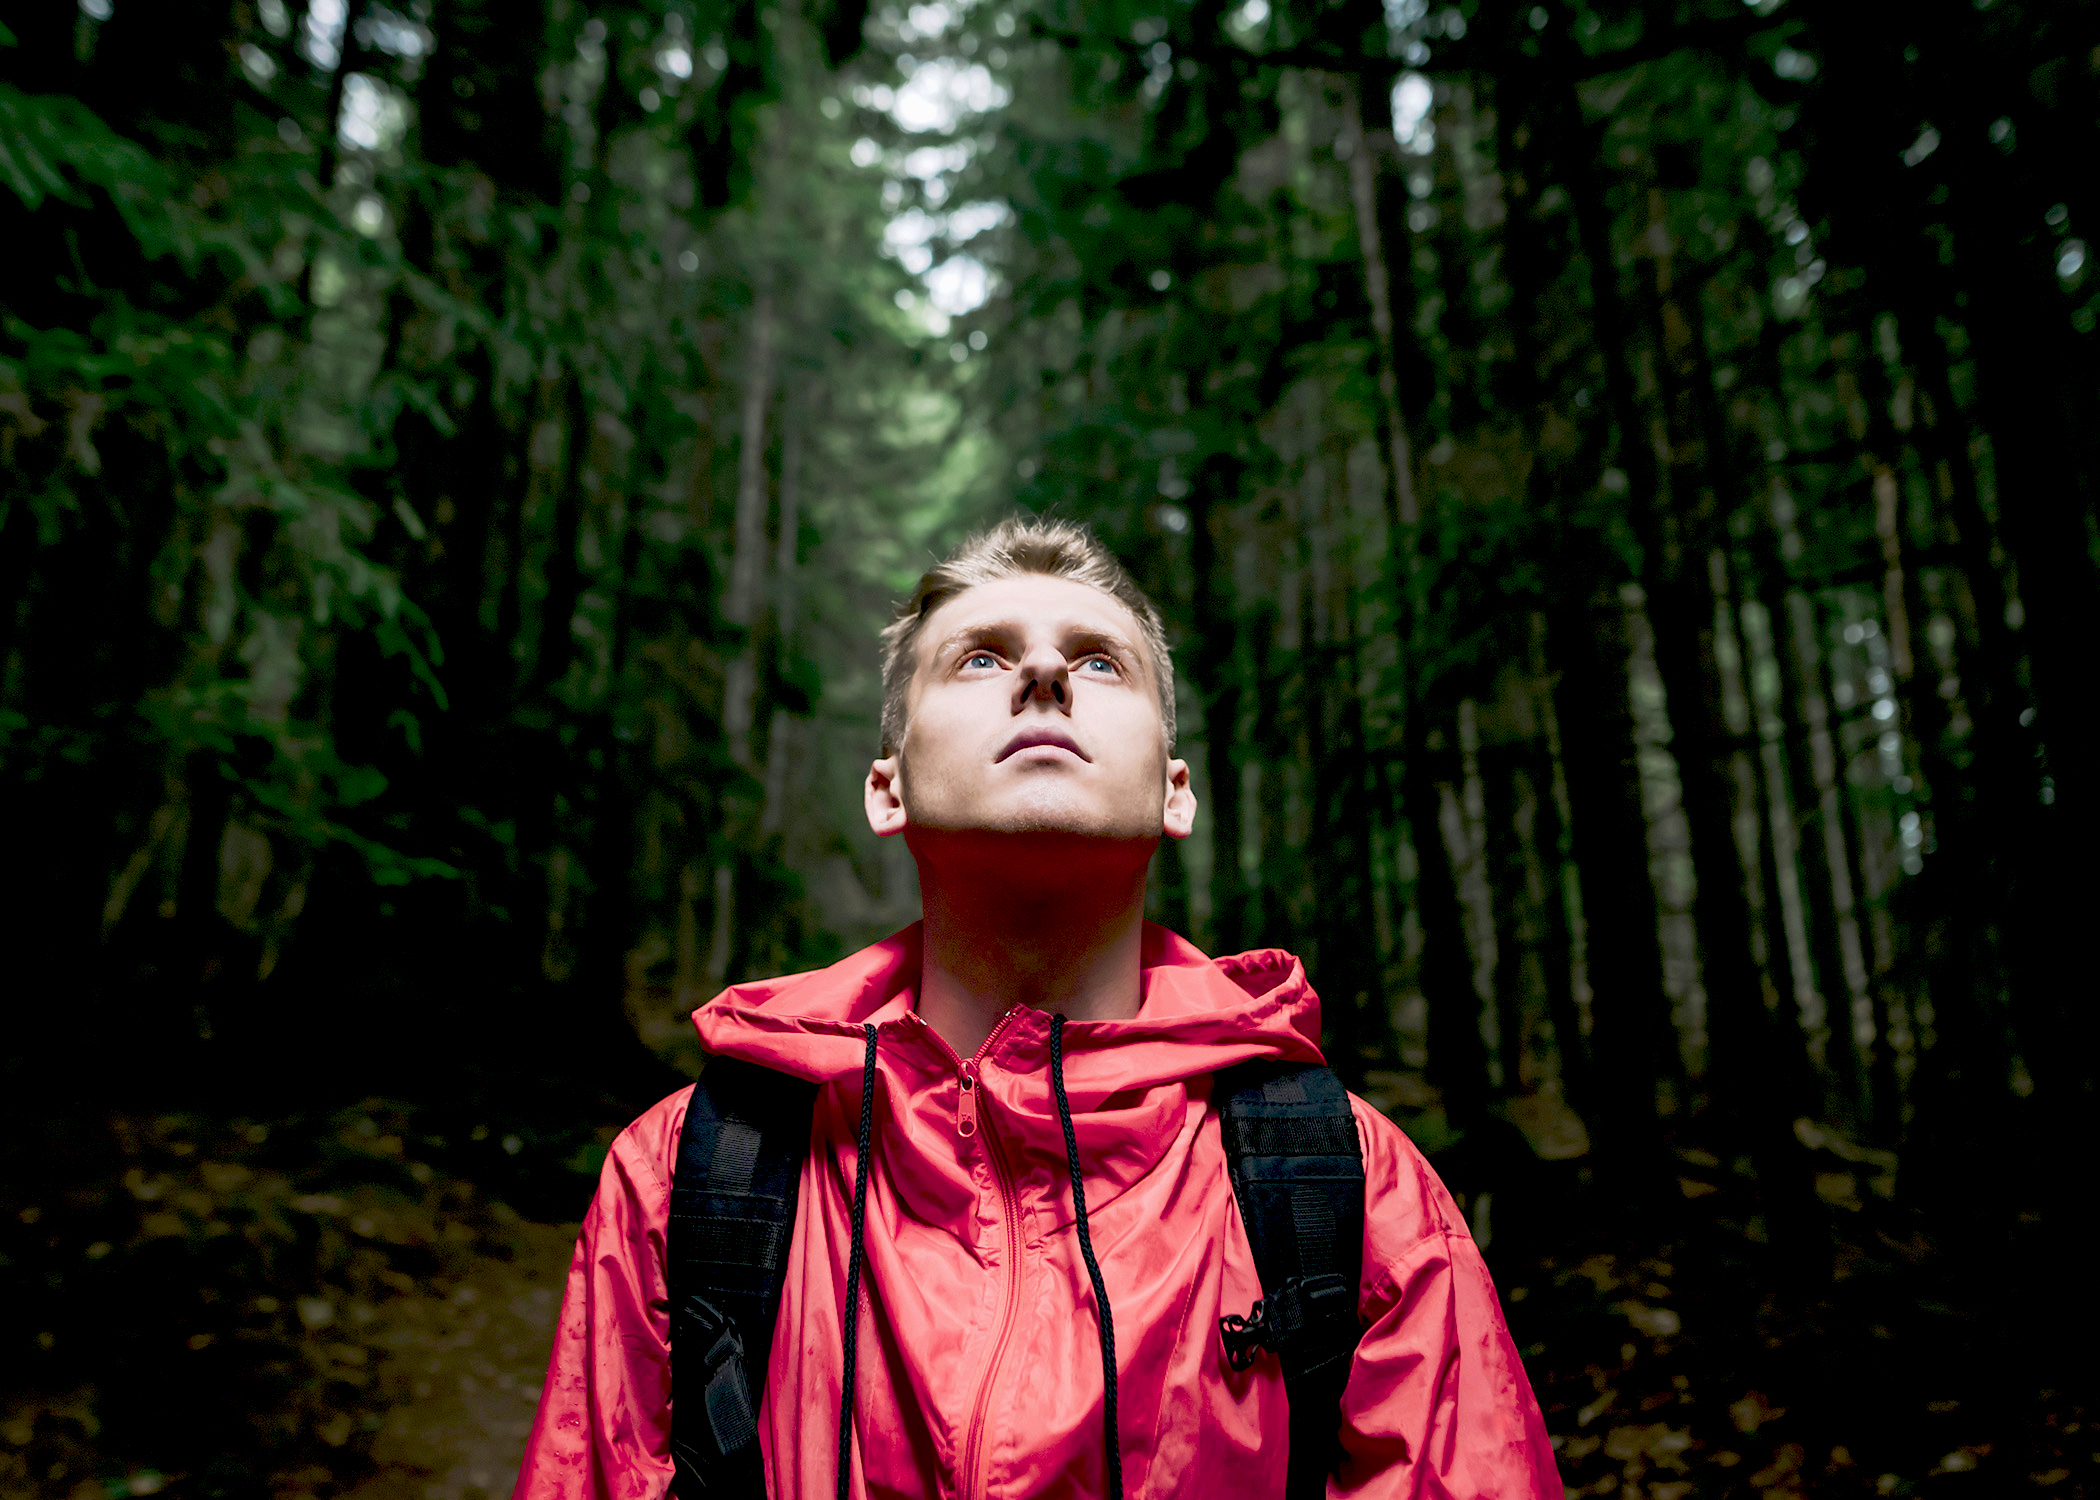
point(208, 1306)
point(1912, 1332)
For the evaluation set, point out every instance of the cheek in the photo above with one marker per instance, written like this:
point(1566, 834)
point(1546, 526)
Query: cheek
point(948, 727)
point(1138, 741)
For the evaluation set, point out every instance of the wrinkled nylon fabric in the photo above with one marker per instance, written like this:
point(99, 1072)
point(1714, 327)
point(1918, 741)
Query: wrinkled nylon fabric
point(979, 1361)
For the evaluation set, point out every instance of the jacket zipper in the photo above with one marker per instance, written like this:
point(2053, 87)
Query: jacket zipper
point(967, 1124)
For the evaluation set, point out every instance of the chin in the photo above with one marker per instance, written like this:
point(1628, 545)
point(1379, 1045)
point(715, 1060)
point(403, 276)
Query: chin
point(1047, 816)
point(1049, 826)
point(1039, 816)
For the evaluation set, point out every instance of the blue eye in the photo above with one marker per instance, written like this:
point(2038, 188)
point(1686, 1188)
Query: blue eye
point(1101, 662)
point(980, 658)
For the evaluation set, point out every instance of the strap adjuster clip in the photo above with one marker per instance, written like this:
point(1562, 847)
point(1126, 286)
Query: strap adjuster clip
point(717, 1330)
point(1243, 1336)
point(1304, 1313)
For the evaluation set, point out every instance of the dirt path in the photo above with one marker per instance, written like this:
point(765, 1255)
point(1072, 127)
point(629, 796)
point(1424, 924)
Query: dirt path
point(307, 1310)
point(470, 1365)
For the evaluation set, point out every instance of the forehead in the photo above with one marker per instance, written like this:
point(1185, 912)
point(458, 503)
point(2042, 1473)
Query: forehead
point(1032, 602)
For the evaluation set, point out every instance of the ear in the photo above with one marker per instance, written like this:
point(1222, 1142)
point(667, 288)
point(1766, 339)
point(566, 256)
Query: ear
point(1180, 819)
point(884, 795)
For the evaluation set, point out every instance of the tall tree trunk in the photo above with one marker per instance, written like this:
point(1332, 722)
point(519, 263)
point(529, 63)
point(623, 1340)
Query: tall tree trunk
point(1458, 1063)
point(1515, 916)
point(556, 646)
point(2018, 322)
point(350, 55)
point(740, 606)
point(1802, 753)
point(2000, 291)
point(1455, 1050)
point(1681, 530)
point(1593, 734)
point(1842, 936)
point(1674, 534)
point(1977, 821)
point(1798, 740)
point(1964, 1075)
point(1216, 667)
point(1757, 1082)
point(1767, 818)
point(786, 562)
point(1631, 1046)
point(610, 909)
point(1370, 186)
point(1549, 874)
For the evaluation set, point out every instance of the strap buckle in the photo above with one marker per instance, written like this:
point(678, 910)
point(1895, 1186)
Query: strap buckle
point(717, 1330)
point(1292, 1323)
point(1243, 1336)
point(724, 1420)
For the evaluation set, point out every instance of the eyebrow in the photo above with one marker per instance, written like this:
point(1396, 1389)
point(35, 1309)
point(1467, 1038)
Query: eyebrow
point(1086, 637)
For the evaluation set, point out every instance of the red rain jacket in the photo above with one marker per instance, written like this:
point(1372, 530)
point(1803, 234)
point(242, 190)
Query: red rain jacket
point(980, 1361)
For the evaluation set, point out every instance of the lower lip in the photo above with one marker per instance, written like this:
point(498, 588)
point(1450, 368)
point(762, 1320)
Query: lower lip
point(1052, 749)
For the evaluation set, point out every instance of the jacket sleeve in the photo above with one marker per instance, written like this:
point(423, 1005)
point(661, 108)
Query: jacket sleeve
point(603, 1430)
point(1437, 1405)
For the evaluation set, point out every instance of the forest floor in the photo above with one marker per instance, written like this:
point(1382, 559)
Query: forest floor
point(314, 1310)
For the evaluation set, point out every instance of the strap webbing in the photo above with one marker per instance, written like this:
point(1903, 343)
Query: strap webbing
point(733, 1198)
point(1297, 1169)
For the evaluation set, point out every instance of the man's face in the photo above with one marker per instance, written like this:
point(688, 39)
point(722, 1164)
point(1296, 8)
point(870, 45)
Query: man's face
point(1034, 708)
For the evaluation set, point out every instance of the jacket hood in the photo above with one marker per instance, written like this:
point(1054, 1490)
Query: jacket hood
point(1197, 1015)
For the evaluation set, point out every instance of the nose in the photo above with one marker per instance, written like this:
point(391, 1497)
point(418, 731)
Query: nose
point(1045, 677)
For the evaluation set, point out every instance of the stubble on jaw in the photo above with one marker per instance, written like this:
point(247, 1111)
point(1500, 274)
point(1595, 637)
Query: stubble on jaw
point(1047, 801)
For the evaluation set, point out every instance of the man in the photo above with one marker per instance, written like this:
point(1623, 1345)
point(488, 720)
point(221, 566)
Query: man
point(1042, 1124)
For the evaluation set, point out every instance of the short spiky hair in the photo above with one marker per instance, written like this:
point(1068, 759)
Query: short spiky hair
point(1014, 548)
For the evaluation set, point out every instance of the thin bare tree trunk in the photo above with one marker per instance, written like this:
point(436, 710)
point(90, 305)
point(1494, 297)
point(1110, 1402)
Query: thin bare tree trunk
point(1367, 151)
point(1213, 655)
point(774, 816)
point(748, 556)
point(1563, 943)
point(740, 605)
point(1814, 711)
point(1508, 817)
point(1767, 704)
point(1445, 971)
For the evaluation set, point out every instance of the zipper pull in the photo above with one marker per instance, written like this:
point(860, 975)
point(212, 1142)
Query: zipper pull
point(966, 1110)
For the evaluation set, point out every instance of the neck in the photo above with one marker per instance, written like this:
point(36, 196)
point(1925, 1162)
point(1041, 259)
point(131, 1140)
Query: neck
point(1011, 922)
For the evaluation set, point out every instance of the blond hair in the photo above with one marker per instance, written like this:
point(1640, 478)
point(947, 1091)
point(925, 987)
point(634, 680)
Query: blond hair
point(1015, 548)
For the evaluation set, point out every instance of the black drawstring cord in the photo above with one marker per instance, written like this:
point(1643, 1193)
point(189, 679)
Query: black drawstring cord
point(1110, 1441)
point(860, 1223)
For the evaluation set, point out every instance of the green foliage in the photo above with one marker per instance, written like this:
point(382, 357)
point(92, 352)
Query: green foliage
point(494, 442)
point(54, 147)
point(1618, 483)
point(406, 454)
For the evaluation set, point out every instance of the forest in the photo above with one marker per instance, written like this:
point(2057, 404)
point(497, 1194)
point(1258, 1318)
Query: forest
point(1620, 476)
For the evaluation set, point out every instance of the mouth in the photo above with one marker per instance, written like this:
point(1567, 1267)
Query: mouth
point(1044, 738)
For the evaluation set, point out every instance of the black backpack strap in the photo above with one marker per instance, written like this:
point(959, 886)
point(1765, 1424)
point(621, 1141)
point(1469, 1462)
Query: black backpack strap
point(733, 1200)
point(1298, 1173)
